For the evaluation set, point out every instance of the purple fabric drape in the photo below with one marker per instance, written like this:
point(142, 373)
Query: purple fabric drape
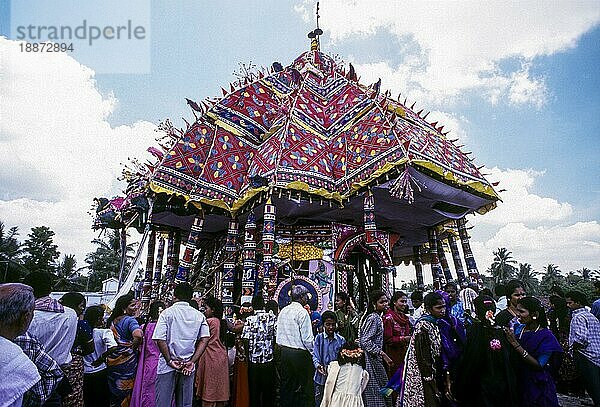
point(143, 389)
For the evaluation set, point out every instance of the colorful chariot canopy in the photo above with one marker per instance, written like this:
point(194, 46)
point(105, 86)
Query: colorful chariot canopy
point(314, 139)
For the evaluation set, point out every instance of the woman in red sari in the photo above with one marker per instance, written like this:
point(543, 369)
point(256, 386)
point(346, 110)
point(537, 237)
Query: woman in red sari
point(396, 333)
point(396, 330)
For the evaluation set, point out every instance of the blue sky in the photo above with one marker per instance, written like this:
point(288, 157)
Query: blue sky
point(518, 84)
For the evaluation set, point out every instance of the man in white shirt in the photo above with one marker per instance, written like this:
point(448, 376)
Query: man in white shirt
point(53, 325)
point(181, 334)
point(416, 299)
point(295, 337)
point(17, 371)
point(502, 302)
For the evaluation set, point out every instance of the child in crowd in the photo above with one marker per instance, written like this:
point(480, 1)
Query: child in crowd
point(95, 384)
point(327, 345)
point(346, 379)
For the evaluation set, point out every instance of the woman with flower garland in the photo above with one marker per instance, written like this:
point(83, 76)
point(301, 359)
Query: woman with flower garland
point(487, 377)
point(346, 378)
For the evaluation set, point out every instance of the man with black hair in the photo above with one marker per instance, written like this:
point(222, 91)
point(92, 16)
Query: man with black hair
point(514, 291)
point(584, 341)
point(259, 331)
point(295, 337)
point(272, 306)
point(456, 306)
point(53, 325)
point(502, 302)
point(18, 372)
point(181, 334)
point(326, 348)
point(416, 299)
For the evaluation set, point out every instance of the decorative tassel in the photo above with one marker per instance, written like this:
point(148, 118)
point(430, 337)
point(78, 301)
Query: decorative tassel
point(402, 187)
point(248, 275)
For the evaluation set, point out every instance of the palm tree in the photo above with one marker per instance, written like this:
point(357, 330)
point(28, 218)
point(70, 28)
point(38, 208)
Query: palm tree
point(105, 261)
point(527, 276)
point(10, 247)
point(552, 277)
point(502, 268)
point(572, 278)
point(67, 273)
point(587, 274)
point(11, 253)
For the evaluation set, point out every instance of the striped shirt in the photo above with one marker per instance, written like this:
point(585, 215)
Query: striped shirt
point(585, 330)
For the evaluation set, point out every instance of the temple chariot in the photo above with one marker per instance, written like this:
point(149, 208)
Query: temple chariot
point(299, 174)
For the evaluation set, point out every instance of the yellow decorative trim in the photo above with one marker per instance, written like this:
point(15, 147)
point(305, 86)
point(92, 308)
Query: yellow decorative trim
point(357, 117)
point(162, 190)
point(387, 167)
point(224, 125)
point(396, 109)
point(237, 204)
point(233, 209)
point(478, 186)
point(302, 252)
point(302, 186)
point(274, 89)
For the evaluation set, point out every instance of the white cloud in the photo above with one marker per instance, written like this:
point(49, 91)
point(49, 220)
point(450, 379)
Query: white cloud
point(536, 229)
point(460, 45)
point(519, 204)
point(570, 247)
point(452, 123)
point(58, 150)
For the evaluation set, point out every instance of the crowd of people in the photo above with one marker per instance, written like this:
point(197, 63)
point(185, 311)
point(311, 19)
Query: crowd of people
point(451, 347)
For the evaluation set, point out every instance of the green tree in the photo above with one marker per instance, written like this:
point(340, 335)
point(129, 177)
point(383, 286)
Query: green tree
point(527, 276)
point(552, 277)
point(587, 274)
point(40, 252)
point(502, 268)
point(10, 247)
point(11, 250)
point(68, 274)
point(105, 261)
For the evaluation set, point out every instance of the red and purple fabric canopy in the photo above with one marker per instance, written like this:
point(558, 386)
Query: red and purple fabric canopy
point(312, 127)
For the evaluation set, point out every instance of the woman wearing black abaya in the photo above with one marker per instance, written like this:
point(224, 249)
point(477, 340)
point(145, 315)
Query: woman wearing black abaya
point(486, 375)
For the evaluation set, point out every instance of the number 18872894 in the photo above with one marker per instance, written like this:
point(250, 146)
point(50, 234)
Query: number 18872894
point(46, 47)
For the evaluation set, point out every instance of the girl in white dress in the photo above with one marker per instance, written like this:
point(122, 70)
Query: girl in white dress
point(346, 379)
